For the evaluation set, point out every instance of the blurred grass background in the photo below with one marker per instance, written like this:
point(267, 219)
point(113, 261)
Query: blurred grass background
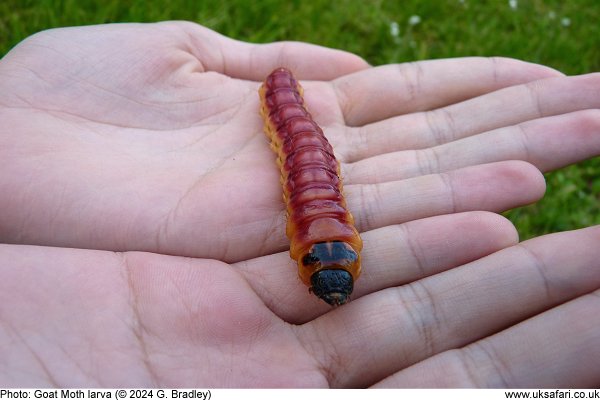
point(564, 35)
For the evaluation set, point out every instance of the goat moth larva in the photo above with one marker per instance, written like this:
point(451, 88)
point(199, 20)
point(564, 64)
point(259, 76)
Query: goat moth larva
point(323, 239)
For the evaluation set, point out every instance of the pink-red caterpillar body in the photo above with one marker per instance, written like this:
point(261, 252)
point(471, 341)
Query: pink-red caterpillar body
point(323, 239)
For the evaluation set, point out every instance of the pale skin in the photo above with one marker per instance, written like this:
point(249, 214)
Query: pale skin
point(144, 227)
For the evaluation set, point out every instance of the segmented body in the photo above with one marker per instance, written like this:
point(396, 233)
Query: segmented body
point(323, 239)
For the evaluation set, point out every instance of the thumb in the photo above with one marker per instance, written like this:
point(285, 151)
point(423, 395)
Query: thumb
point(243, 60)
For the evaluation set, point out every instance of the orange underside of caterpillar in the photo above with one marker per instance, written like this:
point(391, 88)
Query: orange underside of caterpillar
point(320, 228)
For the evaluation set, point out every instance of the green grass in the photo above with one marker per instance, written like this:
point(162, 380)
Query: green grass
point(564, 35)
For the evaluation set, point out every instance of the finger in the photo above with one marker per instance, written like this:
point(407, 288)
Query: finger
point(558, 348)
point(454, 308)
point(385, 91)
point(392, 256)
point(548, 143)
point(509, 106)
point(243, 60)
point(488, 187)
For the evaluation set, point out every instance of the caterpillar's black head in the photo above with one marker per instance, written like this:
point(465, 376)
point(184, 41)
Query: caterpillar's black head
point(332, 280)
point(334, 286)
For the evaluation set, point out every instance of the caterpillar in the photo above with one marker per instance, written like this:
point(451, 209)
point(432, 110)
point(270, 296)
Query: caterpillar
point(323, 239)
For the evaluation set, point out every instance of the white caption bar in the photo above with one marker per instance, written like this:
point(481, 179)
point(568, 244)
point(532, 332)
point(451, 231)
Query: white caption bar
point(294, 394)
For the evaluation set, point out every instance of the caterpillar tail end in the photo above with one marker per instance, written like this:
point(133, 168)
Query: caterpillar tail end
point(333, 286)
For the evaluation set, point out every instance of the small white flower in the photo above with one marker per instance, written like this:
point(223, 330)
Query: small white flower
point(394, 29)
point(414, 20)
point(565, 21)
point(551, 14)
point(512, 4)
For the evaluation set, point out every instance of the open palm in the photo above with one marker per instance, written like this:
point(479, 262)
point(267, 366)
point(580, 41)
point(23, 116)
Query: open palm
point(148, 138)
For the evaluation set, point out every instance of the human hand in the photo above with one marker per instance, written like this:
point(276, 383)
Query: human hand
point(525, 316)
point(147, 137)
point(75, 188)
